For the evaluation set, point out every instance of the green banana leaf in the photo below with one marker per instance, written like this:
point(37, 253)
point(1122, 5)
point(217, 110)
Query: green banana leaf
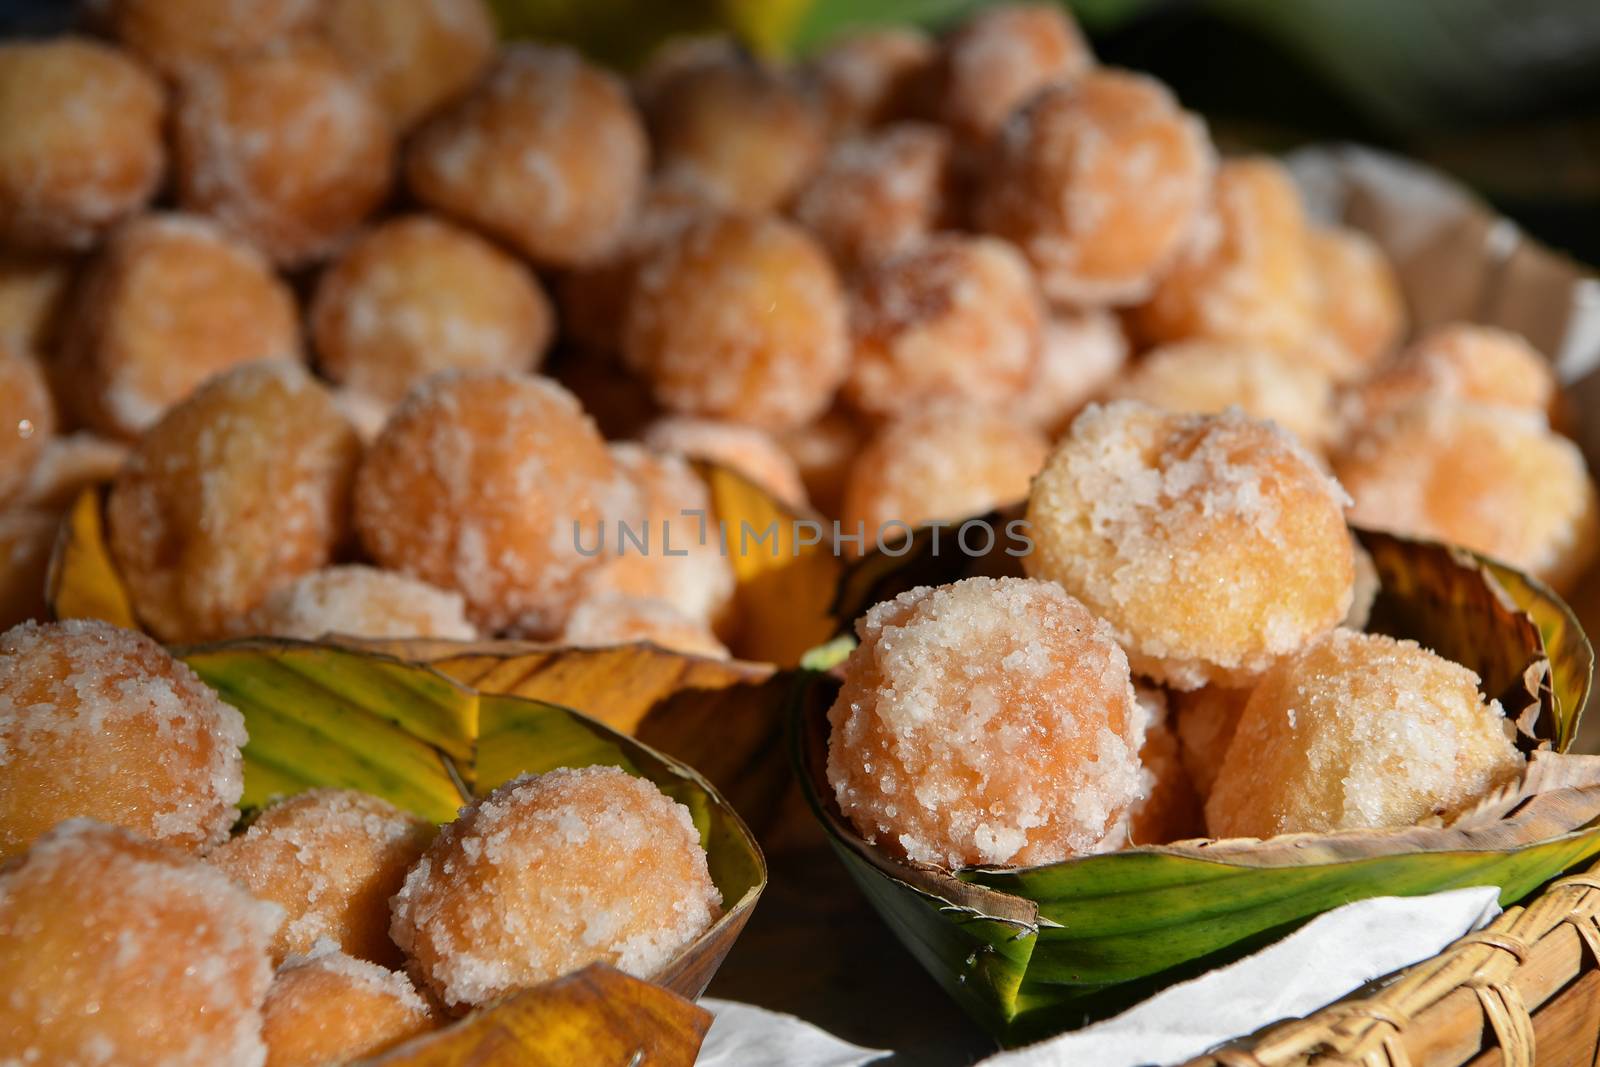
point(1033, 951)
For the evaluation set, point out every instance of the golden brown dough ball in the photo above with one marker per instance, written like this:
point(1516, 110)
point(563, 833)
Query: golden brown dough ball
point(68, 465)
point(872, 76)
point(482, 483)
point(878, 193)
point(103, 723)
point(547, 153)
point(1080, 355)
point(27, 420)
point(80, 141)
point(1247, 275)
point(331, 859)
point(170, 301)
point(359, 601)
point(418, 295)
point(742, 136)
point(606, 619)
point(116, 950)
point(33, 290)
point(1101, 184)
point(748, 450)
point(1000, 58)
point(1207, 718)
point(1170, 809)
point(285, 148)
point(328, 1007)
point(739, 318)
point(953, 318)
point(1461, 361)
point(242, 486)
point(180, 36)
point(413, 54)
point(1361, 309)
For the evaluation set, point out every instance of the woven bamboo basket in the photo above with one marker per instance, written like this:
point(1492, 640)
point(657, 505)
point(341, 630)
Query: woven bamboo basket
point(1523, 991)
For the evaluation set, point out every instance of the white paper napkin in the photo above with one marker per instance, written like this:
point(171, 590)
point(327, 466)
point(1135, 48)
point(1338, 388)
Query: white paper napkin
point(745, 1036)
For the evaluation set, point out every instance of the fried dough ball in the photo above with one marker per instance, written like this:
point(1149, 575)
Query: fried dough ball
point(27, 537)
point(878, 193)
point(27, 419)
point(116, 950)
point(417, 295)
point(1494, 480)
point(328, 1007)
point(70, 464)
point(948, 461)
point(241, 487)
point(618, 619)
point(1138, 510)
point(170, 301)
point(1000, 58)
point(101, 722)
point(871, 76)
point(1080, 354)
point(1208, 376)
point(80, 141)
point(1461, 361)
point(739, 318)
point(33, 289)
point(823, 452)
point(744, 449)
point(414, 55)
point(1170, 809)
point(1101, 184)
point(666, 545)
point(1360, 308)
point(481, 483)
point(1360, 731)
point(953, 318)
point(359, 601)
point(285, 148)
point(549, 873)
point(1207, 718)
point(331, 859)
point(991, 721)
point(180, 36)
point(1247, 275)
point(741, 135)
point(547, 154)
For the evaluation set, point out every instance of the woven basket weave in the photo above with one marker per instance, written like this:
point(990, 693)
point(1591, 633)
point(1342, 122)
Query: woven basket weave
point(1523, 991)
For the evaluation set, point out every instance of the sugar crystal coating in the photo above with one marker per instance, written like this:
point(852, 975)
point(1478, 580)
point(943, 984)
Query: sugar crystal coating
point(414, 55)
point(485, 483)
point(327, 1007)
point(1002, 56)
point(549, 873)
point(1461, 361)
point(331, 859)
point(747, 449)
point(239, 488)
point(1080, 355)
point(101, 722)
point(80, 141)
point(991, 721)
point(27, 419)
point(119, 951)
point(1212, 544)
point(1360, 731)
point(359, 601)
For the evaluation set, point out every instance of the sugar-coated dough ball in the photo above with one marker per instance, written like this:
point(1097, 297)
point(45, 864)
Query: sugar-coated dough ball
point(748, 450)
point(954, 318)
point(102, 723)
point(1495, 480)
point(1002, 56)
point(1208, 376)
point(1246, 275)
point(1212, 544)
point(239, 488)
point(359, 601)
point(549, 873)
point(413, 54)
point(871, 76)
point(1361, 309)
point(1101, 183)
point(69, 464)
point(284, 148)
point(328, 1007)
point(547, 153)
point(610, 618)
point(739, 318)
point(331, 859)
point(991, 721)
point(948, 461)
point(1170, 809)
point(1461, 361)
point(179, 37)
point(1360, 731)
point(878, 193)
point(1207, 718)
point(117, 950)
point(740, 134)
point(418, 295)
point(27, 419)
point(27, 537)
point(80, 141)
point(33, 291)
point(170, 301)
point(1080, 354)
point(484, 483)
